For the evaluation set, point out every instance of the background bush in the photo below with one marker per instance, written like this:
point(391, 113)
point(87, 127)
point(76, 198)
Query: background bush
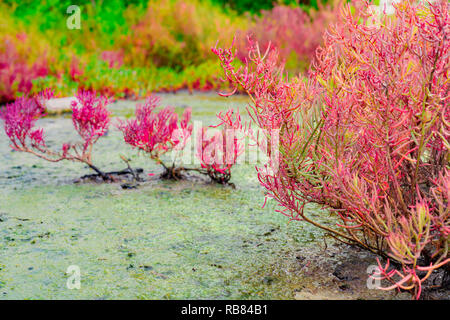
point(129, 48)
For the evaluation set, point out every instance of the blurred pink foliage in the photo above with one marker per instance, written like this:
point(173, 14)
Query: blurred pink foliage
point(16, 72)
point(293, 32)
point(75, 69)
point(113, 58)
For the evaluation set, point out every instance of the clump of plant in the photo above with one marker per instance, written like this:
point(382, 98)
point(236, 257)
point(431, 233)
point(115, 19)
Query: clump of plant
point(365, 136)
point(219, 152)
point(159, 132)
point(90, 119)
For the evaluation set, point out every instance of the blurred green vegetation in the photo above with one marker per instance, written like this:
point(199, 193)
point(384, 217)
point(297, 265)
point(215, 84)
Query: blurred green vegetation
point(124, 48)
point(252, 6)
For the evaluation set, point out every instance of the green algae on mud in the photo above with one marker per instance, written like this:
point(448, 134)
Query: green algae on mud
point(187, 239)
point(192, 241)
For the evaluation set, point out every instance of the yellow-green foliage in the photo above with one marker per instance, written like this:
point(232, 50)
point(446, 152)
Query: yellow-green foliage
point(164, 45)
point(179, 33)
point(154, 45)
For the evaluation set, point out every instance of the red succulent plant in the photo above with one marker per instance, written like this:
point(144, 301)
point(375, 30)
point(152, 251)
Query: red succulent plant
point(157, 132)
point(219, 153)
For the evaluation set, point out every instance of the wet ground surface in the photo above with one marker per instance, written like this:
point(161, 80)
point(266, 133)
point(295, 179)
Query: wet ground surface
point(186, 239)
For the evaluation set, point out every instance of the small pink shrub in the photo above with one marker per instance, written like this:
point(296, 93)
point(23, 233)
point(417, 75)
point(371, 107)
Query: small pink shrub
point(90, 119)
point(365, 136)
point(19, 120)
point(219, 153)
point(157, 132)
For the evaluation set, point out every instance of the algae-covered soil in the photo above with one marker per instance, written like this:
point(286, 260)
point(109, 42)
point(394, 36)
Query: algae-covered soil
point(187, 239)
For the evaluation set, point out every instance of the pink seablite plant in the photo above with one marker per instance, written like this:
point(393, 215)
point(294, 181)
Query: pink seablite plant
point(219, 153)
point(90, 119)
point(158, 132)
point(365, 135)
